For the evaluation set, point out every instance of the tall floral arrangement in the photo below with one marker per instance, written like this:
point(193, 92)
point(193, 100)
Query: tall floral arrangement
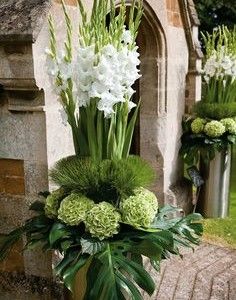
point(220, 66)
point(219, 75)
point(94, 82)
point(212, 128)
point(103, 219)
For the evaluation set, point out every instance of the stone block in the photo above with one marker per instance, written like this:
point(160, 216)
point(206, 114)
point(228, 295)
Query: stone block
point(12, 177)
point(11, 167)
point(26, 135)
point(11, 212)
point(15, 260)
point(176, 20)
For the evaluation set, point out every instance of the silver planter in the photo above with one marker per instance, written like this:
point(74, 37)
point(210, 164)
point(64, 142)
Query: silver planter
point(213, 199)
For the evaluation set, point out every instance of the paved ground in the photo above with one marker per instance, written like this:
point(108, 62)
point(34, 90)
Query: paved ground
point(208, 273)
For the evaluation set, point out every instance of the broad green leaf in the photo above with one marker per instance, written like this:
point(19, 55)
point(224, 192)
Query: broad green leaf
point(127, 285)
point(138, 273)
point(91, 245)
point(37, 206)
point(67, 259)
point(69, 273)
point(155, 264)
point(58, 231)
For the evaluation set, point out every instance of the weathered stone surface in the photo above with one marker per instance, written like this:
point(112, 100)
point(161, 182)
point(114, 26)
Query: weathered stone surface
point(207, 273)
point(19, 286)
point(22, 20)
point(14, 261)
point(12, 177)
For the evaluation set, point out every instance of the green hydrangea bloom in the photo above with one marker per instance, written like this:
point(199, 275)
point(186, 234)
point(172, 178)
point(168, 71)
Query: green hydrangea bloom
point(102, 220)
point(198, 125)
point(230, 125)
point(214, 129)
point(74, 208)
point(52, 203)
point(140, 209)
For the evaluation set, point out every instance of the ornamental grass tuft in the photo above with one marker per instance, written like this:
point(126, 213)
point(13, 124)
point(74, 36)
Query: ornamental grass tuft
point(215, 111)
point(107, 180)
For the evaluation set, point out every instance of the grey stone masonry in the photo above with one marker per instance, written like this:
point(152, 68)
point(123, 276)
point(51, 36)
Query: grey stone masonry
point(22, 20)
point(207, 273)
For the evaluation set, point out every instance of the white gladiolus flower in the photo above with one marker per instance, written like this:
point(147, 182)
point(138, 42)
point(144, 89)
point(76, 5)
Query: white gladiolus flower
point(109, 51)
point(97, 89)
point(87, 53)
point(65, 70)
point(83, 98)
point(106, 104)
point(85, 87)
point(126, 37)
point(210, 67)
point(207, 78)
point(226, 63)
point(107, 76)
point(131, 105)
point(130, 92)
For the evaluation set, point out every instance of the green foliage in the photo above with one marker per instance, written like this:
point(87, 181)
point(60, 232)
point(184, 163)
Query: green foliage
point(108, 180)
point(221, 41)
point(215, 111)
point(213, 13)
point(115, 266)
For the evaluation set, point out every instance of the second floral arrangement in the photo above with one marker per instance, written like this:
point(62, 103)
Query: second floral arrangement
point(202, 138)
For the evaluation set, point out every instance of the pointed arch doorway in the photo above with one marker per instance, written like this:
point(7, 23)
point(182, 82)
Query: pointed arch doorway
point(151, 88)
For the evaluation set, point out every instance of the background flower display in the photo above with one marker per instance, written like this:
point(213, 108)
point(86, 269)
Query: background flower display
point(219, 75)
point(103, 218)
point(212, 127)
point(209, 134)
point(203, 138)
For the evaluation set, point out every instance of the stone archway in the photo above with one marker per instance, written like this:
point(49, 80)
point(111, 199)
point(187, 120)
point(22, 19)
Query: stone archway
point(151, 88)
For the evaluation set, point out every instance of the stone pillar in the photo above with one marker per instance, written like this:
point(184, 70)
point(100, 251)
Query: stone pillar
point(23, 147)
